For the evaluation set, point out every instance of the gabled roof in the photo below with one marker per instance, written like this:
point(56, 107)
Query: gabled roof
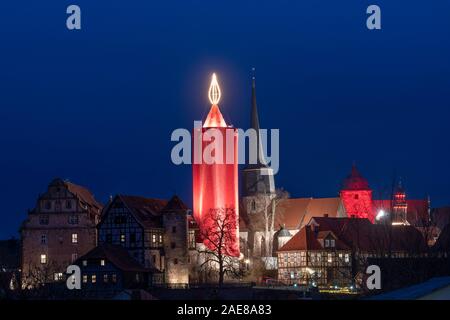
point(117, 255)
point(365, 236)
point(294, 213)
point(83, 194)
point(147, 211)
point(175, 204)
point(308, 239)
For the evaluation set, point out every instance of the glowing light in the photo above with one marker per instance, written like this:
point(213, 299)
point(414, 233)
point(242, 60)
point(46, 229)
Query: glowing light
point(214, 92)
point(310, 271)
point(380, 215)
point(247, 261)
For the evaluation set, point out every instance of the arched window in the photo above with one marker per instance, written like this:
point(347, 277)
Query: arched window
point(253, 205)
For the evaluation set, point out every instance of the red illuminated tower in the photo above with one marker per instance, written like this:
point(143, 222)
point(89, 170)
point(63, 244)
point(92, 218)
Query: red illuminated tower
point(215, 175)
point(399, 206)
point(357, 196)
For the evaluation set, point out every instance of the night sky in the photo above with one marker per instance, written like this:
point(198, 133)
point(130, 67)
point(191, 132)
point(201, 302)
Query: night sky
point(97, 106)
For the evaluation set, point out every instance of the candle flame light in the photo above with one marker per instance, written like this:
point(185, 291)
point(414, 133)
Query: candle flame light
point(214, 91)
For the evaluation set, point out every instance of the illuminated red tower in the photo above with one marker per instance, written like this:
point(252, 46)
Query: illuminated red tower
point(399, 206)
point(215, 175)
point(357, 196)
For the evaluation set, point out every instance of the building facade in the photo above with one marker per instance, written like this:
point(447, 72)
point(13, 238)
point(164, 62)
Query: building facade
point(154, 232)
point(61, 228)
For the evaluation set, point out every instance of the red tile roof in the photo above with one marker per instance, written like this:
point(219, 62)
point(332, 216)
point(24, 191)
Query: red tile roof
point(146, 210)
point(307, 239)
point(295, 213)
point(368, 237)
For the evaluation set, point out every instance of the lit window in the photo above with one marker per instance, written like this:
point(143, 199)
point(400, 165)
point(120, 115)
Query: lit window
point(347, 258)
point(122, 238)
point(102, 262)
point(114, 278)
point(329, 258)
point(43, 239)
point(74, 257)
point(153, 238)
point(332, 243)
point(327, 243)
point(105, 278)
point(58, 276)
point(74, 237)
point(160, 238)
point(85, 278)
point(94, 278)
point(84, 263)
point(43, 258)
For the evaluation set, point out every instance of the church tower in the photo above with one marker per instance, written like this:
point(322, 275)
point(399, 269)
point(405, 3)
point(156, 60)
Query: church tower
point(357, 196)
point(399, 206)
point(258, 180)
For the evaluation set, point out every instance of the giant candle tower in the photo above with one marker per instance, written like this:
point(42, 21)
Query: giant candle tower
point(215, 180)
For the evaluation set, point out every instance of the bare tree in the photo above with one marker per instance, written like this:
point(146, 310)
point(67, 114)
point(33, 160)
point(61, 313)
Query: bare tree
point(218, 233)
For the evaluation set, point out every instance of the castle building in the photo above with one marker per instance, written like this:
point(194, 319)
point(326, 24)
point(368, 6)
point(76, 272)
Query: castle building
point(61, 228)
point(154, 232)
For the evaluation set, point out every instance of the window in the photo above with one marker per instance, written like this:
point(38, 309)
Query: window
point(73, 219)
point(105, 278)
point(332, 243)
point(109, 238)
point(153, 238)
point(174, 229)
point(48, 205)
point(58, 276)
point(68, 204)
point(44, 239)
point(191, 239)
point(133, 237)
point(327, 243)
point(43, 219)
point(253, 205)
point(122, 238)
point(84, 263)
point(114, 278)
point(94, 278)
point(74, 237)
point(43, 258)
point(137, 277)
point(175, 261)
point(85, 278)
point(356, 196)
point(330, 258)
point(173, 245)
point(153, 259)
point(102, 262)
point(347, 258)
point(74, 257)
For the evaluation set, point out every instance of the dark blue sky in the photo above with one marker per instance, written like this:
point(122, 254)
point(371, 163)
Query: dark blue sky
point(97, 106)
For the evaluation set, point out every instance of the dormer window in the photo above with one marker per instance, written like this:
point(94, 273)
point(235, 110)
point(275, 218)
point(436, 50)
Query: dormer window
point(332, 243)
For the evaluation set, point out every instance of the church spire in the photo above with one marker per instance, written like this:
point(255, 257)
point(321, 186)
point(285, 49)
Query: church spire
point(255, 125)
